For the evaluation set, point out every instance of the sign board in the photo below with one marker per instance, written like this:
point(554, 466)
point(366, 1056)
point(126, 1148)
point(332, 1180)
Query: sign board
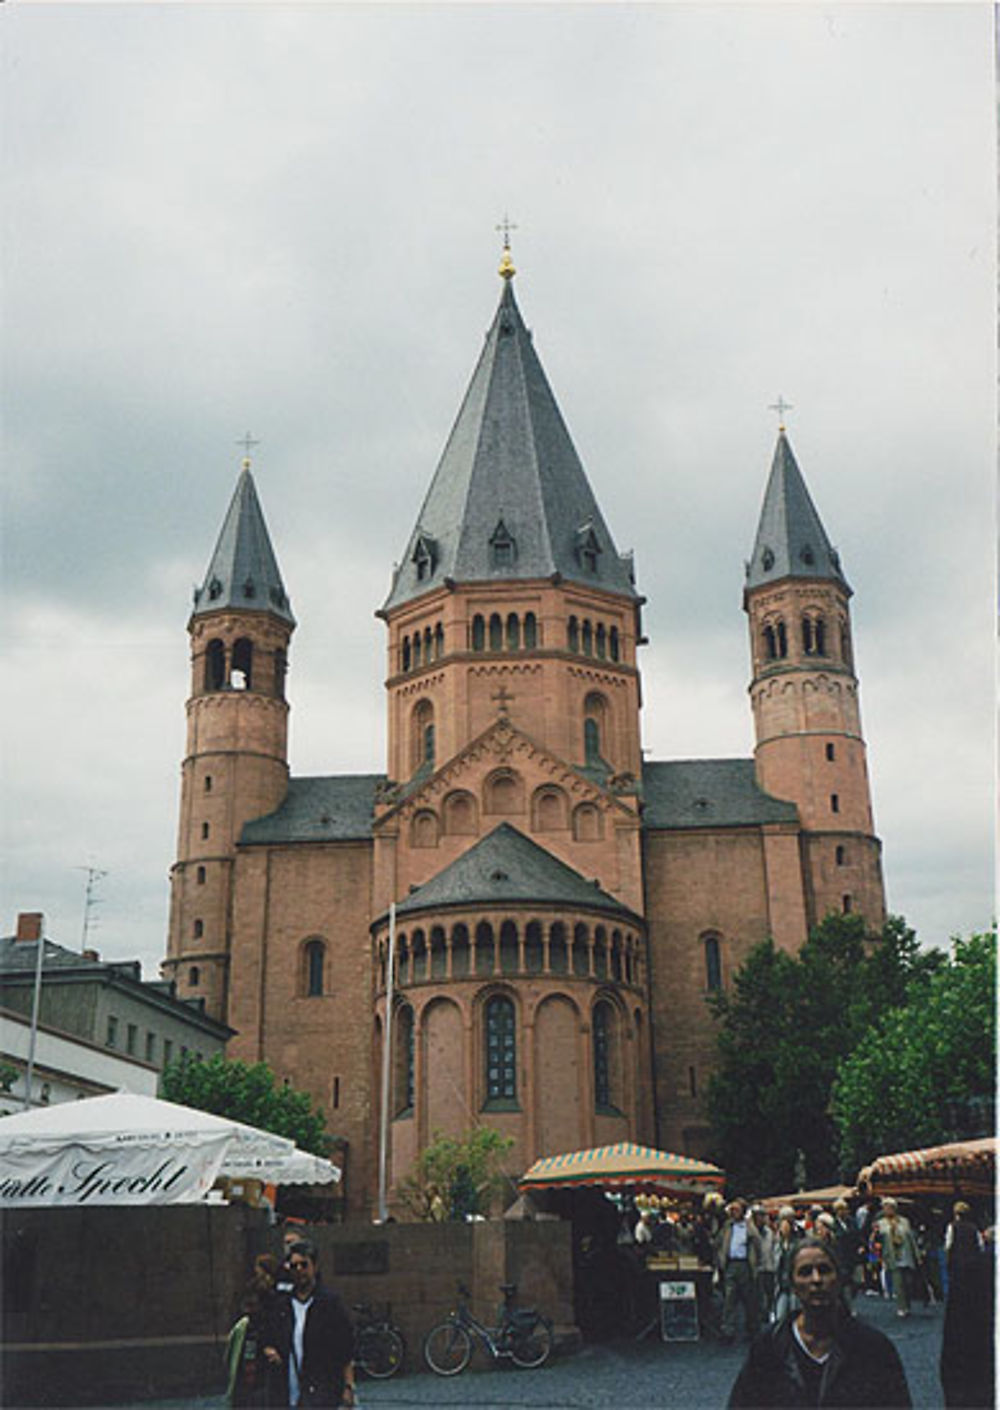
point(678, 1311)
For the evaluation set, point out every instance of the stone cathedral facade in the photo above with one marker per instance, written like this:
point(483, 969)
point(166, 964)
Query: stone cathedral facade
point(563, 906)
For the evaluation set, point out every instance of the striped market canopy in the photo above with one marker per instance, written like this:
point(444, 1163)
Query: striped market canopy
point(962, 1167)
point(624, 1166)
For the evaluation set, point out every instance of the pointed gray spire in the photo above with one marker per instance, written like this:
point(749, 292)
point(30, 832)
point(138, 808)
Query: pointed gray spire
point(791, 541)
point(510, 499)
point(243, 573)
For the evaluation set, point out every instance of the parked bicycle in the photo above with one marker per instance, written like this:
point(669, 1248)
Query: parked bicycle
point(522, 1333)
point(379, 1347)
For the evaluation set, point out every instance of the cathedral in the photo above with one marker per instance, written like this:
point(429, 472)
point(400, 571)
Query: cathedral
point(537, 910)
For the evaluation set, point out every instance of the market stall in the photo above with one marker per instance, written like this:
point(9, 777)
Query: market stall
point(962, 1169)
point(127, 1149)
point(622, 1285)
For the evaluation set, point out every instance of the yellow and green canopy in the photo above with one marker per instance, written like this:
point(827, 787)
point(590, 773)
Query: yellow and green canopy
point(624, 1166)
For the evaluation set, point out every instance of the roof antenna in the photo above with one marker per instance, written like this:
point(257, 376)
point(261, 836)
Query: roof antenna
point(94, 875)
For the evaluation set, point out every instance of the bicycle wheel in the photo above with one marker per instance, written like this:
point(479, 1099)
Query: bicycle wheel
point(447, 1349)
point(531, 1349)
point(380, 1351)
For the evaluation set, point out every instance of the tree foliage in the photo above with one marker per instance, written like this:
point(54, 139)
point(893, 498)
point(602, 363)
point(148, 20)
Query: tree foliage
point(924, 1073)
point(247, 1092)
point(785, 1026)
point(456, 1176)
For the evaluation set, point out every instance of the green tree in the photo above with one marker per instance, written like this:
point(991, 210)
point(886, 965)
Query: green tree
point(247, 1092)
point(461, 1174)
point(924, 1073)
point(785, 1026)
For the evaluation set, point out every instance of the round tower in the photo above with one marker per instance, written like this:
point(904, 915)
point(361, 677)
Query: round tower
point(810, 748)
point(236, 761)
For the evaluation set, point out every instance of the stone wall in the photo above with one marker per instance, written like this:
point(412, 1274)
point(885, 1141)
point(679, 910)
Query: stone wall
point(104, 1305)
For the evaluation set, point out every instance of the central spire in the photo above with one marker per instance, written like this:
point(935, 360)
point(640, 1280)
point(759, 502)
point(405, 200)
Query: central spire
point(510, 499)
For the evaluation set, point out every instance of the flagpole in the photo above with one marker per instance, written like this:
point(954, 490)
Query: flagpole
point(29, 1076)
point(383, 1145)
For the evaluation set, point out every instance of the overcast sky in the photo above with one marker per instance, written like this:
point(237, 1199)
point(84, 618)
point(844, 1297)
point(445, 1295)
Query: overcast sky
point(281, 219)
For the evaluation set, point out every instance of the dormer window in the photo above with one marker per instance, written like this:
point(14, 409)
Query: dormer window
point(767, 560)
point(807, 555)
point(248, 588)
point(587, 548)
point(503, 549)
point(424, 557)
point(214, 589)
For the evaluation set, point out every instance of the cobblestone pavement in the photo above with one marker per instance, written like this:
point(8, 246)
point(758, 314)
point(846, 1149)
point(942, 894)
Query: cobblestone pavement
point(646, 1375)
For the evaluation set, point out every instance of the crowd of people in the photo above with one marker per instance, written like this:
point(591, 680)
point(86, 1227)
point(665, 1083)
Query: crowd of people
point(790, 1280)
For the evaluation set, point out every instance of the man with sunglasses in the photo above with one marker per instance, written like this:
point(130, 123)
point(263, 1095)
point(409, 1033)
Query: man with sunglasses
point(310, 1340)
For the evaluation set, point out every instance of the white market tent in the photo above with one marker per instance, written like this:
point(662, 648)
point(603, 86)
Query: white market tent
point(128, 1149)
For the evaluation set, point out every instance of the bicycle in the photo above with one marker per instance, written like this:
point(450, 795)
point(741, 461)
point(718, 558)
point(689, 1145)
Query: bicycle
point(379, 1347)
point(523, 1334)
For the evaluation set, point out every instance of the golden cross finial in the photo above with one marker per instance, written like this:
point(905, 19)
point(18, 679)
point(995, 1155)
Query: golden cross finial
point(507, 270)
point(781, 406)
point(247, 442)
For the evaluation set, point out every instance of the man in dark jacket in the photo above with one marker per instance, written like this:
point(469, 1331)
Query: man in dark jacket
point(310, 1340)
point(820, 1355)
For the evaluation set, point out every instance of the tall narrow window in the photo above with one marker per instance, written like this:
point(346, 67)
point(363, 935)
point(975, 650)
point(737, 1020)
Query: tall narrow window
point(713, 964)
point(770, 643)
point(588, 639)
point(613, 645)
point(841, 855)
point(215, 665)
point(438, 642)
point(513, 632)
point(501, 1051)
point(602, 1055)
point(530, 631)
point(573, 634)
point(834, 803)
point(496, 632)
point(830, 753)
point(478, 633)
point(601, 641)
point(782, 640)
point(404, 1060)
point(241, 676)
point(315, 960)
point(280, 671)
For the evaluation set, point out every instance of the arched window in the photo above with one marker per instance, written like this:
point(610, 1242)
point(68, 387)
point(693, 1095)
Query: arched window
point(513, 632)
point(280, 672)
point(460, 952)
point(713, 964)
point(594, 718)
point(603, 1032)
point(770, 643)
point(496, 632)
point(416, 651)
point(439, 955)
point(422, 739)
point(573, 634)
point(215, 665)
point(601, 641)
point(504, 793)
point(460, 814)
point(501, 1051)
point(581, 951)
point(845, 644)
point(807, 635)
point(549, 807)
point(558, 961)
point(198, 929)
point(478, 633)
point(600, 953)
point(438, 642)
point(403, 1061)
point(484, 948)
point(418, 949)
point(613, 645)
point(193, 976)
point(533, 952)
point(406, 653)
point(201, 875)
point(782, 640)
point(315, 957)
point(424, 829)
point(508, 948)
point(588, 639)
point(530, 631)
point(819, 636)
point(588, 823)
point(241, 676)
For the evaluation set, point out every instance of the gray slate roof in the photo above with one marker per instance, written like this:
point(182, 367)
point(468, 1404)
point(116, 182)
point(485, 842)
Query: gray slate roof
point(509, 466)
point(20, 957)
point(337, 809)
point(709, 793)
point(244, 572)
point(504, 867)
point(791, 541)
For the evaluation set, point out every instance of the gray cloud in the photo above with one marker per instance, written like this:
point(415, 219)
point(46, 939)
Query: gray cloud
point(281, 219)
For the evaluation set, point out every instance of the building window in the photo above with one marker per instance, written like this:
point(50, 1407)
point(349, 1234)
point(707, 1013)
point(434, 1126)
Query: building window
point(613, 645)
point(846, 905)
point(215, 665)
point(501, 1051)
point(335, 1102)
point(530, 631)
point(713, 964)
point(503, 547)
point(198, 929)
point(692, 1082)
point(131, 1038)
point(315, 962)
point(496, 632)
point(208, 783)
point(602, 1055)
point(841, 855)
point(150, 1047)
point(204, 831)
point(194, 976)
point(573, 634)
point(201, 876)
point(240, 676)
point(834, 802)
point(478, 633)
point(405, 1030)
point(831, 753)
point(111, 1039)
point(168, 1052)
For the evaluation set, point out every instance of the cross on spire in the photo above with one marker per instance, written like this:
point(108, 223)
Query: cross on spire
point(507, 270)
point(781, 406)
point(247, 442)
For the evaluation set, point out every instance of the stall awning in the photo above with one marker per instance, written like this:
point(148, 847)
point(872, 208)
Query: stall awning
point(963, 1167)
point(624, 1166)
point(825, 1195)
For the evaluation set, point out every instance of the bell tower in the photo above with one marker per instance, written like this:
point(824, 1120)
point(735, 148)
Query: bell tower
point(810, 748)
point(236, 762)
